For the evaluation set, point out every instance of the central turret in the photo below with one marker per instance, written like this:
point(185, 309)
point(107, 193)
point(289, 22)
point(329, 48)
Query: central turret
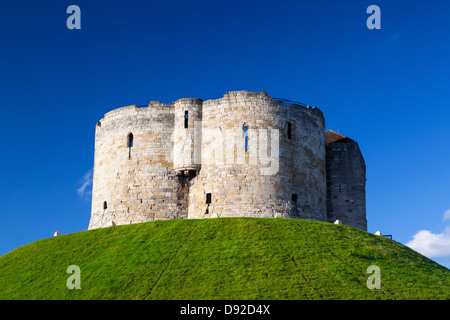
point(187, 136)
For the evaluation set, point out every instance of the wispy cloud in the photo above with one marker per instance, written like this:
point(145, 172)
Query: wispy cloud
point(446, 215)
point(432, 245)
point(85, 189)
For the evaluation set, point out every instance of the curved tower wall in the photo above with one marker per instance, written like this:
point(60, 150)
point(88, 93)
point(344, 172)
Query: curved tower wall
point(291, 184)
point(135, 183)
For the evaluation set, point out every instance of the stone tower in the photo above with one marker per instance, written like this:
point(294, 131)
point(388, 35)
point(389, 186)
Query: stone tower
point(134, 178)
point(346, 181)
point(245, 173)
point(245, 154)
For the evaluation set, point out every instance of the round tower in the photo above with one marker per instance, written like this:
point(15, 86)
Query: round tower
point(134, 180)
point(187, 136)
point(261, 157)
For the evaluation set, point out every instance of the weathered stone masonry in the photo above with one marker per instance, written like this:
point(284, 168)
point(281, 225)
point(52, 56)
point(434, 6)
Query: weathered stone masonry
point(346, 181)
point(245, 154)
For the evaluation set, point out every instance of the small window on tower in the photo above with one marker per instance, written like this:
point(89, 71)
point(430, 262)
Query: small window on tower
point(246, 137)
point(294, 198)
point(289, 130)
point(186, 119)
point(105, 205)
point(130, 140)
point(208, 198)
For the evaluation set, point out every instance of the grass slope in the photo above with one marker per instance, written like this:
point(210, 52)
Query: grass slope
point(227, 258)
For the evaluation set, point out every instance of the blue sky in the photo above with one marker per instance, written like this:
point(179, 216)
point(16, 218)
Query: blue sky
point(388, 89)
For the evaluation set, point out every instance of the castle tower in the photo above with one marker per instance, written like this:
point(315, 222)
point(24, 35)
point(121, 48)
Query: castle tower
point(187, 136)
point(134, 180)
point(260, 157)
point(246, 155)
point(346, 180)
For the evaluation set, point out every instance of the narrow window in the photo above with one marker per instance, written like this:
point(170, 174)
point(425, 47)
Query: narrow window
point(130, 140)
point(129, 144)
point(246, 137)
point(289, 130)
point(208, 198)
point(186, 119)
point(294, 198)
point(105, 205)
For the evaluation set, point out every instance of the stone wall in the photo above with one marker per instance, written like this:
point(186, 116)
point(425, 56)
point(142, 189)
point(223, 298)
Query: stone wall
point(346, 180)
point(257, 182)
point(187, 135)
point(136, 183)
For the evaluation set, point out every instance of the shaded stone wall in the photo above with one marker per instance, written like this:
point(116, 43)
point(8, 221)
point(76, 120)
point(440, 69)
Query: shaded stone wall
point(346, 180)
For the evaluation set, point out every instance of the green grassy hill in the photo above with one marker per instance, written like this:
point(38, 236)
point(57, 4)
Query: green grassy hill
point(227, 258)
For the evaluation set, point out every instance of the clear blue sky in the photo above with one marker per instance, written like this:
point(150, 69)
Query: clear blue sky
point(389, 89)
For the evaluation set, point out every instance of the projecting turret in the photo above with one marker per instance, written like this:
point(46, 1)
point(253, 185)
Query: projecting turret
point(187, 136)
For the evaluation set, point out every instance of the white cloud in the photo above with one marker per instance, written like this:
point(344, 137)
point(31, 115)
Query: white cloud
point(86, 184)
point(431, 245)
point(446, 215)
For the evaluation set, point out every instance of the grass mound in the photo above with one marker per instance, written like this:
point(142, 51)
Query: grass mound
point(226, 258)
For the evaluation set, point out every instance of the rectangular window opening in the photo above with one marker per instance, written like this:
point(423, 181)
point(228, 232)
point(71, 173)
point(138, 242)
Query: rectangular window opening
point(246, 137)
point(289, 130)
point(186, 119)
point(294, 198)
point(208, 198)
